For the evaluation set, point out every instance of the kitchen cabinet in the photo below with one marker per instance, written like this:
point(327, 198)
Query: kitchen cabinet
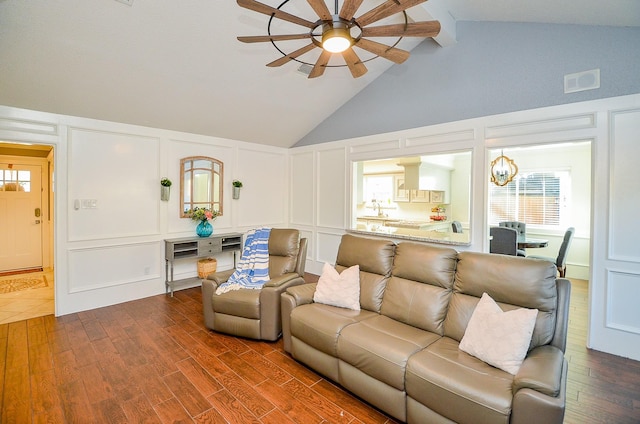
point(436, 178)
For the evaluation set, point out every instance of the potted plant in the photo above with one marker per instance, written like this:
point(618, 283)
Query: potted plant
point(237, 185)
point(165, 188)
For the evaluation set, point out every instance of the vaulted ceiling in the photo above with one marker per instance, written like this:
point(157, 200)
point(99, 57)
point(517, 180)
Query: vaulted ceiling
point(178, 65)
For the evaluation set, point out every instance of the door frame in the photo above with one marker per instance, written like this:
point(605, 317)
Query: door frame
point(48, 199)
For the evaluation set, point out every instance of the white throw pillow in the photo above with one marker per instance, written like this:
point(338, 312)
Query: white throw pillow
point(499, 338)
point(342, 290)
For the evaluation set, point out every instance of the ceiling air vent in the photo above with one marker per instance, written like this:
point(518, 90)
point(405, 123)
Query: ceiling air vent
point(305, 69)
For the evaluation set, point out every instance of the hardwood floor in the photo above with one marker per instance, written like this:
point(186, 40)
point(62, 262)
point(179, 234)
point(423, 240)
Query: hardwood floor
point(153, 361)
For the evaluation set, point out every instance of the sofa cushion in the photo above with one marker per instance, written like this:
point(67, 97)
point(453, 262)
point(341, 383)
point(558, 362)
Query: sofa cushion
point(242, 303)
point(381, 346)
point(375, 258)
point(499, 338)
point(319, 325)
point(420, 286)
point(459, 386)
point(512, 282)
point(339, 289)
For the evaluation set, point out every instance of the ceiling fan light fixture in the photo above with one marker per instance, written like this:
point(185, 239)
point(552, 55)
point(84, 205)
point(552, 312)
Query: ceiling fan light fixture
point(336, 38)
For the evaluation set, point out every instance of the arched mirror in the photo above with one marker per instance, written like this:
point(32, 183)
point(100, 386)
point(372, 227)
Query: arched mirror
point(200, 184)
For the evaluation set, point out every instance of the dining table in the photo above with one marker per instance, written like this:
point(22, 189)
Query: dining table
point(525, 242)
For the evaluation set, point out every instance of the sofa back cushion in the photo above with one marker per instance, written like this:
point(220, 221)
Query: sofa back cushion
point(420, 287)
point(284, 245)
point(513, 282)
point(375, 258)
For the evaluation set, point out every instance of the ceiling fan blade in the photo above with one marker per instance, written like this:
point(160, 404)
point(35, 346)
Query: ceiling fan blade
point(263, 38)
point(418, 29)
point(291, 56)
point(272, 11)
point(388, 8)
point(354, 63)
point(391, 53)
point(321, 9)
point(321, 64)
point(349, 8)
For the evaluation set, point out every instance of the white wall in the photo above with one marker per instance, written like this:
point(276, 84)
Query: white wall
point(115, 252)
point(603, 217)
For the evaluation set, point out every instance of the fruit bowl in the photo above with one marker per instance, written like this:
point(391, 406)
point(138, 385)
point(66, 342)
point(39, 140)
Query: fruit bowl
point(438, 217)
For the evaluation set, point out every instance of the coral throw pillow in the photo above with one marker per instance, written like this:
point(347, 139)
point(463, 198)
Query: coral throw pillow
point(499, 338)
point(342, 290)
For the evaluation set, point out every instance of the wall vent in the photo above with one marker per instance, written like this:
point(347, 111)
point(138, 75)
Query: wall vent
point(581, 81)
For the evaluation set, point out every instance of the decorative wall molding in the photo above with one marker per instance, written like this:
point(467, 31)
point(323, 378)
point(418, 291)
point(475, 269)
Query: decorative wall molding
point(563, 123)
point(302, 200)
point(624, 185)
point(442, 138)
point(120, 172)
point(127, 264)
point(375, 147)
point(331, 188)
point(28, 126)
point(623, 290)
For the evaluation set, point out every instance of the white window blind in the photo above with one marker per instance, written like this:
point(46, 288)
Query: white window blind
point(536, 198)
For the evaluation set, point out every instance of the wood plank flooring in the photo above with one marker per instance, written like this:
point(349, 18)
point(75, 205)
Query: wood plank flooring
point(153, 361)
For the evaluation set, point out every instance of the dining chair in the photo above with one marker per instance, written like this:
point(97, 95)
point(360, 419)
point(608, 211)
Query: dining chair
point(561, 260)
point(504, 241)
point(520, 227)
point(456, 227)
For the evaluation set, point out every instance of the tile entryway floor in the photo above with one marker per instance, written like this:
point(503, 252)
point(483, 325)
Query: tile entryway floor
point(25, 297)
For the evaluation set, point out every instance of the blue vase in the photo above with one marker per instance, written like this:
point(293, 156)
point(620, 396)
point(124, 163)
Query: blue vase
point(204, 229)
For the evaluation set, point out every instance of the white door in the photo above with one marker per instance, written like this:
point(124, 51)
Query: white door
point(20, 216)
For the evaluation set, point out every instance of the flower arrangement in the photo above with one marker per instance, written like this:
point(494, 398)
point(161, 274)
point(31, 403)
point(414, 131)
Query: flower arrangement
point(202, 214)
point(165, 182)
point(237, 183)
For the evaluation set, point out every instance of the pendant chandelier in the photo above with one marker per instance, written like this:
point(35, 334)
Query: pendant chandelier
point(503, 170)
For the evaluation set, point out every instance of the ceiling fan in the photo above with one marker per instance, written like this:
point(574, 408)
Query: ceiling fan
point(339, 32)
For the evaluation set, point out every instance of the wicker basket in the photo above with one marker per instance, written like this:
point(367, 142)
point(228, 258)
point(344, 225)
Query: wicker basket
point(206, 267)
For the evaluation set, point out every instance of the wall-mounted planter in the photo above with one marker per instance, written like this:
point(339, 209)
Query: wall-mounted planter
point(236, 192)
point(164, 193)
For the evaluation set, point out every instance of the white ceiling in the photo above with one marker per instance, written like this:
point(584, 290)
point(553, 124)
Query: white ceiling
point(176, 64)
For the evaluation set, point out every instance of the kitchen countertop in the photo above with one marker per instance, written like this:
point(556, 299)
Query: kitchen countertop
point(448, 238)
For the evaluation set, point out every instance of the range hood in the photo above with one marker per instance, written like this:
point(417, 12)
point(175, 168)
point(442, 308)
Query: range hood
point(411, 174)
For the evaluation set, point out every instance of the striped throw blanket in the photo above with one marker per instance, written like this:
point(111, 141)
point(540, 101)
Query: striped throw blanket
point(252, 271)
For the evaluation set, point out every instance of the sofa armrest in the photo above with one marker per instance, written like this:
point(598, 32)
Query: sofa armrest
point(270, 305)
point(292, 297)
point(208, 289)
point(220, 276)
point(281, 279)
point(541, 371)
point(531, 406)
point(302, 294)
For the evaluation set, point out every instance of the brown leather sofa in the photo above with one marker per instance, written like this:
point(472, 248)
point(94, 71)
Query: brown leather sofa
point(400, 351)
point(256, 313)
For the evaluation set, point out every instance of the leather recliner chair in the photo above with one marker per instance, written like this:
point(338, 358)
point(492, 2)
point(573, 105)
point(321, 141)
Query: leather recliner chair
point(252, 313)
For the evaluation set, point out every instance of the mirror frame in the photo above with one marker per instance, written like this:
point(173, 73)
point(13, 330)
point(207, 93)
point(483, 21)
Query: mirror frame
point(209, 206)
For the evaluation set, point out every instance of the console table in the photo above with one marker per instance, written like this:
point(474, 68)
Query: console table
point(196, 247)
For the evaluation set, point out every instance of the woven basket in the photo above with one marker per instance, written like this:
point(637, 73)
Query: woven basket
point(206, 267)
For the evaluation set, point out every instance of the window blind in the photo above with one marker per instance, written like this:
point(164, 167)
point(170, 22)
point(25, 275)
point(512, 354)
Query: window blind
point(534, 198)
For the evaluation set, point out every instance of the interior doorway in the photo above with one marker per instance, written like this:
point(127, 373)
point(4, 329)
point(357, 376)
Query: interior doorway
point(26, 230)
